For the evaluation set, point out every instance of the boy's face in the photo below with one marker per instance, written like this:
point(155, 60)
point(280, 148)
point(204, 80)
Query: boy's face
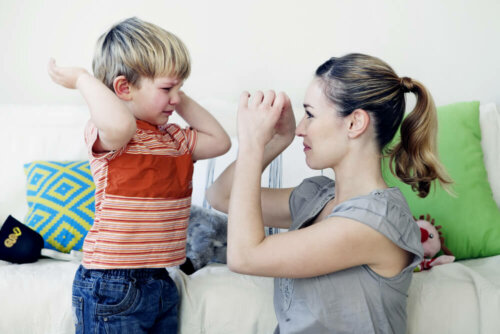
point(154, 100)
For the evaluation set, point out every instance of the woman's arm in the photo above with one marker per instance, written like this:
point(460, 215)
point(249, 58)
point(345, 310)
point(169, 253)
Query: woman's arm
point(257, 121)
point(327, 246)
point(274, 202)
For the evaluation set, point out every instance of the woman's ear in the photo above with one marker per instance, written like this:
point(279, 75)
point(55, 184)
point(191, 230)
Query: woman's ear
point(358, 122)
point(122, 88)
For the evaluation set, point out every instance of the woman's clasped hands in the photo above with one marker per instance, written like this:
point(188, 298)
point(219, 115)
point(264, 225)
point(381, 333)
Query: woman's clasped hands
point(265, 118)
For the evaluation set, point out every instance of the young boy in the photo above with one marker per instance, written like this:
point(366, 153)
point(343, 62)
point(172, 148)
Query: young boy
point(142, 167)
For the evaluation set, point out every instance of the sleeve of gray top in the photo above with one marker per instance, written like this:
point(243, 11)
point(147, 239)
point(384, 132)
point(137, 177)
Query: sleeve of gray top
point(387, 218)
point(304, 191)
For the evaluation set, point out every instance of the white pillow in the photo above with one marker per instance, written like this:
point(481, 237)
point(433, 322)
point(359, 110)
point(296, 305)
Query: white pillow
point(210, 295)
point(30, 133)
point(489, 121)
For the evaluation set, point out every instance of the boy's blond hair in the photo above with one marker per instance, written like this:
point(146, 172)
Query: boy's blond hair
point(135, 48)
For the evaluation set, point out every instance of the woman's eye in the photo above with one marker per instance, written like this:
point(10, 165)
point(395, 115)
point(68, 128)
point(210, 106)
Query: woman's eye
point(308, 114)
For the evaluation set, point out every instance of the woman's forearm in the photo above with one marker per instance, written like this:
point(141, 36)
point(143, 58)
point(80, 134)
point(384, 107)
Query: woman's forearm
point(219, 193)
point(245, 224)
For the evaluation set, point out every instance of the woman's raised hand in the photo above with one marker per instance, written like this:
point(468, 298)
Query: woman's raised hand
point(263, 117)
point(285, 126)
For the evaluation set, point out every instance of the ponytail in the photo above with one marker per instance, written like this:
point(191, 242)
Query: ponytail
point(415, 157)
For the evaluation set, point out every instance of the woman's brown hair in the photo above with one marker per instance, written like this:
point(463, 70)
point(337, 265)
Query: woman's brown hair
point(358, 81)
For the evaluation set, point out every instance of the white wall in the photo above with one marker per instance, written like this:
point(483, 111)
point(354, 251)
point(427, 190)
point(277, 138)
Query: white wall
point(452, 46)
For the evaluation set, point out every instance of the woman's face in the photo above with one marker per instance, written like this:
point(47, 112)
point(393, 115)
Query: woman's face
point(323, 130)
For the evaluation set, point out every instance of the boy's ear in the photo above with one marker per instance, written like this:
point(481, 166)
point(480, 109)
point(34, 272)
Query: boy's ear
point(122, 88)
point(358, 122)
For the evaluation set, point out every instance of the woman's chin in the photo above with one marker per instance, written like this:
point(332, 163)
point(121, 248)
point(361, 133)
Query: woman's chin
point(315, 164)
point(311, 164)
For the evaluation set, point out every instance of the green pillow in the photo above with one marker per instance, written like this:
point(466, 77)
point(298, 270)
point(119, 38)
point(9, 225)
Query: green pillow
point(60, 198)
point(471, 220)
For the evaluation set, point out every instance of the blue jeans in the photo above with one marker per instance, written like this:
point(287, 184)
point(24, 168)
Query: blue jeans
point(124, 301)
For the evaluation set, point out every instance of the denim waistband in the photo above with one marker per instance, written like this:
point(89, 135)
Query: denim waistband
point(139, 274)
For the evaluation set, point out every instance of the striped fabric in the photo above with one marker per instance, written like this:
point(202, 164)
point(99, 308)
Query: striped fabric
point(142, 199)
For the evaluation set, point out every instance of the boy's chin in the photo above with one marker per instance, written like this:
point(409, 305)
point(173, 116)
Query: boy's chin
point(160, 121)
point(165, 119)
point(163, 125)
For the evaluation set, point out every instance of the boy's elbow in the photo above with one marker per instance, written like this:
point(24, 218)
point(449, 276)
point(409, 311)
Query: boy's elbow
point(115, 138)
point(130, 129)
point(125, 134)
point(225, 144)
point(215, 201)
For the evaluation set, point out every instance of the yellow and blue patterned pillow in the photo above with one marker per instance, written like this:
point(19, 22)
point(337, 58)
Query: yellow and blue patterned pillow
point(60, 196)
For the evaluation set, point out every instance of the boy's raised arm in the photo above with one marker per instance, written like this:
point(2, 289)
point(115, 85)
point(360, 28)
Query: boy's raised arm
point(115, 123)
point(212, 138)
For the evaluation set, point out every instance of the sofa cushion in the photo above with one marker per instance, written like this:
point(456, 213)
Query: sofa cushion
point(60, 198)
point(470, 219)
point(36, 132)
point(489, 120)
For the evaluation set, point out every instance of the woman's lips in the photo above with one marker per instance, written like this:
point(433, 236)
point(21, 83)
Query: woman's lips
point(306, 148)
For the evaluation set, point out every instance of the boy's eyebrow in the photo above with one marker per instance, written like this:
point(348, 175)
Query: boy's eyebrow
point(170, 81)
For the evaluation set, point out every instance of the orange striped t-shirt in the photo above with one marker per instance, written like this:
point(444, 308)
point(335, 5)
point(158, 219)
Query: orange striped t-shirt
point(142, 199)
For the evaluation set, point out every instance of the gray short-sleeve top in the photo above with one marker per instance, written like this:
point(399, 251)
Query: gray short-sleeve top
point(354, 300)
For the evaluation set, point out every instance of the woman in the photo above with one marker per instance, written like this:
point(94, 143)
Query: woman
point(347, 261)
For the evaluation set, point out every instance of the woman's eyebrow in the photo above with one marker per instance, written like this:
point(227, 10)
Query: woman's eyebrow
point(307, 105)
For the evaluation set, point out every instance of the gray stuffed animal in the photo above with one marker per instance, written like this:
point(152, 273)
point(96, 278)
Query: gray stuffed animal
point(206, 239)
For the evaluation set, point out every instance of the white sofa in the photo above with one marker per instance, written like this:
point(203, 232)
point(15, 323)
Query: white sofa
point(462, 297)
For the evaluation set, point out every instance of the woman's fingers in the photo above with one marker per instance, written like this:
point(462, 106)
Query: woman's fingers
point(279, 101)
point(262, 115)
point(268, 103)
point(256, 99)
point(244, 100)
point(269, 97)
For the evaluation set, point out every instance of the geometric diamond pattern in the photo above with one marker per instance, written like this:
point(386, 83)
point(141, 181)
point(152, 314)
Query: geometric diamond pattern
point(60, 196)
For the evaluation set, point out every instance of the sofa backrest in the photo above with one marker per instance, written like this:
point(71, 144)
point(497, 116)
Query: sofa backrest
point(56, 133)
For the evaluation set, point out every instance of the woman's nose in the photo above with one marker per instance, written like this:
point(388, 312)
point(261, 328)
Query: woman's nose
point(299, 130)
